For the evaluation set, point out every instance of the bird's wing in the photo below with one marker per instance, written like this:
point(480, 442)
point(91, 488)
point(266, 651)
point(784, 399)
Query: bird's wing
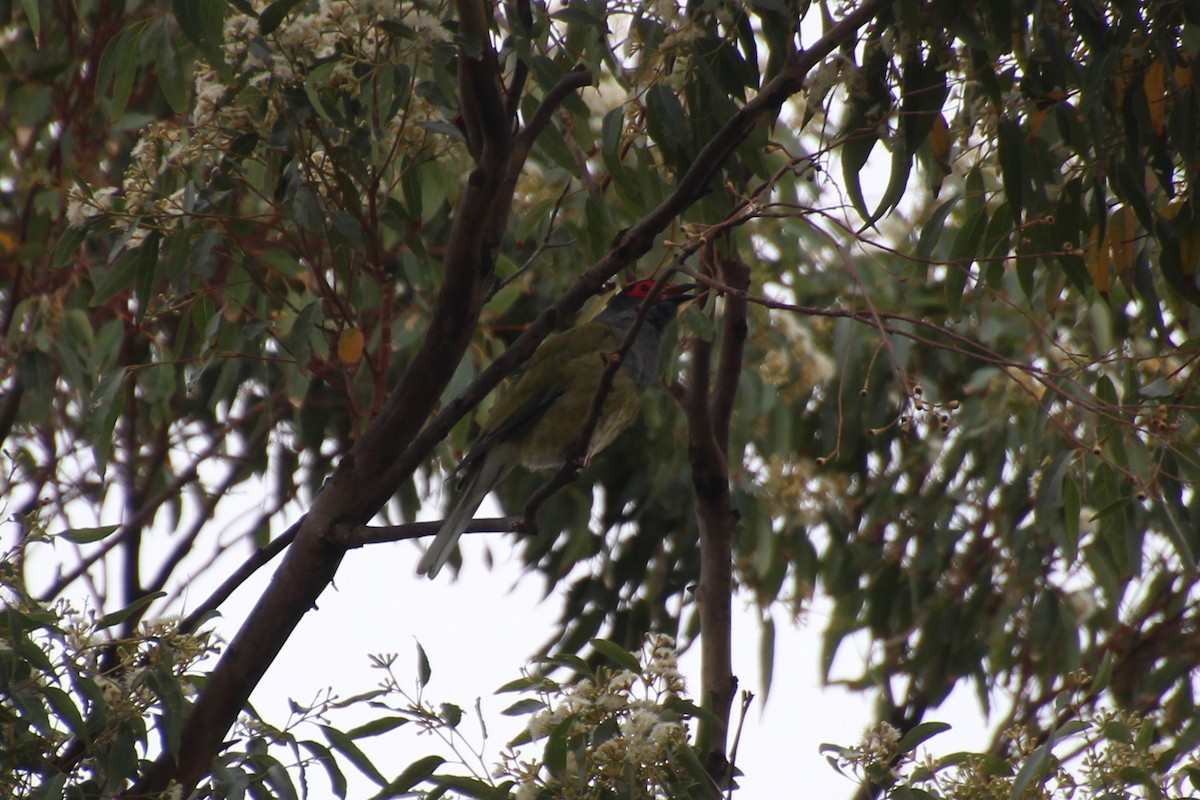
point(515, 423)
point(543, 381)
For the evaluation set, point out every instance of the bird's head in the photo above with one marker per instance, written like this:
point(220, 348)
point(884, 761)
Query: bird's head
point(624, 305)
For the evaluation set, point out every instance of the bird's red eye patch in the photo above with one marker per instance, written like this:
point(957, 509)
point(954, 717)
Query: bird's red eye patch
point(639, 288)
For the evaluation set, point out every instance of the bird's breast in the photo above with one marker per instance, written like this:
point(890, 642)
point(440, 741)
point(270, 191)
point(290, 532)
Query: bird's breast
point(544, 447)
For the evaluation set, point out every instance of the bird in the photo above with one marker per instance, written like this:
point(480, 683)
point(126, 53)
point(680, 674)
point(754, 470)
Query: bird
point(538, 416)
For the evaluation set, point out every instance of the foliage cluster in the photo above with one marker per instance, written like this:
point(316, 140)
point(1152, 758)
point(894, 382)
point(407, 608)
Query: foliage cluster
point(962, 405)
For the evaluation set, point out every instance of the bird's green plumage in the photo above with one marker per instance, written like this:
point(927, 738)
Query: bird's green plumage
point(553, 394)
point(536, 417)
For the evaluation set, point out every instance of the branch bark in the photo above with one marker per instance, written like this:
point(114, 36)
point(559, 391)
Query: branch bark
point(709, 407)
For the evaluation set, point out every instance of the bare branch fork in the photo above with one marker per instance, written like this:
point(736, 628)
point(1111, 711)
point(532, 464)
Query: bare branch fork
point(405, 431)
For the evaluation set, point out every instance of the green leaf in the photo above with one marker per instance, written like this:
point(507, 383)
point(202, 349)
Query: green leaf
point(126, 66)
point(1012, 160)
point(53, 788)
point(88, 535)
point(451, 714)
point(147, 266)
point(855, 153)
point(557, 746)
point(276, 777)
point(611, 132)
point(346, 746)
point(172, 704)
point(616, 654)
point(699, 324)
point(322, 754)
point(377, 726)
point(119, 277)
point(1157, 388)
point(116, 50)
point(67, 246)
point(919, 734)
point(962, 257)
point(424, 671)
point(685, 708)
point(521, 708)
point(414, 773)
point(158, 48)
point(299, 339)
point(273, 14)
point(531, 219)
point(108, 620)
point(1070, 527)
point(203, 23)
point(931, 231)
point(471, 787)
point(531, 682)
point(1034, 768)
point(66, 710)
point(766, 655)
point(667, 124)
point(702, 787)
point(104, 407)
point(894, 191)
point(33, 13)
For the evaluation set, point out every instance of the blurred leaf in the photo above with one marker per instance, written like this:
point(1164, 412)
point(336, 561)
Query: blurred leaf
point(931, 231)
point(274, 14)
point(414, 773)
point(108, 620)
point(104, 407)
point(524, 707)
point(1034, 769)
point(118, 277)
point(1012, 160)
point(89, 535)
point(118, 66)
point(67, 246)
point(616, 654)
point(667, 125)
point(326, 759)
point(377, 726)
point(920, 733)
point(202, 22)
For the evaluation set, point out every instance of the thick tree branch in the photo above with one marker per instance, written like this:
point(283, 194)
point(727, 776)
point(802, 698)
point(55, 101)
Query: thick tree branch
point(366, 477)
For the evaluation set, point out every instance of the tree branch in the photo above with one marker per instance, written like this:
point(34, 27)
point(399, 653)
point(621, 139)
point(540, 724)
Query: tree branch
point(367, 476)
point(708, 411)
point(516, 86)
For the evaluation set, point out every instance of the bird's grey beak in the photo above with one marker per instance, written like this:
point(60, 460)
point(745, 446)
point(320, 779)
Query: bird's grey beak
point(678, 292)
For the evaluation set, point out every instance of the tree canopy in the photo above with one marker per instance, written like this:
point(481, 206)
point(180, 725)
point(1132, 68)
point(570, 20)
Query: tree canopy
point(942, 372)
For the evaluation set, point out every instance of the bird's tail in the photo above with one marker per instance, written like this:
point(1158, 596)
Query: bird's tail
point(478, 482)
